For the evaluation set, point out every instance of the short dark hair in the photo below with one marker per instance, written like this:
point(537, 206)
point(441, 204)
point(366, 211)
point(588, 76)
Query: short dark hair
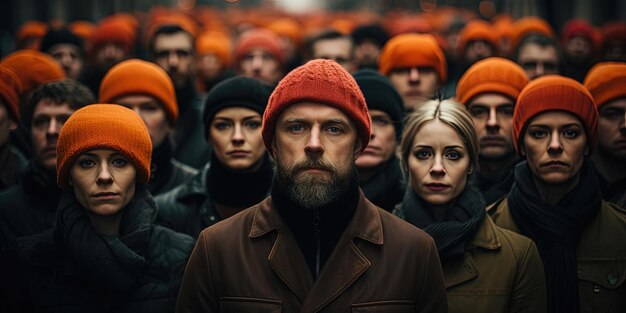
point(326, 35)
point(67, 91)
point(169, 29)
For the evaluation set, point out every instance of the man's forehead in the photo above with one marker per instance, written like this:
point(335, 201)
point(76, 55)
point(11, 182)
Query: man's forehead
point(311, 111)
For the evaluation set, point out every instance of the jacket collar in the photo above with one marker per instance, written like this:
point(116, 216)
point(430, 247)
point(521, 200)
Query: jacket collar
point(196, 186)
point(486, 236)
point(344, 266)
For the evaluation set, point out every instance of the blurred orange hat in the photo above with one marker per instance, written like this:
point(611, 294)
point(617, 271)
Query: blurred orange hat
point(530, 25)
point(112, 31)
point(476, 30)
point(407, 50)
point(216, 43)
point(491, 75)
point(606, 81)
point(259, 38)
point(31, 29)
point(33, 68)
point(287, 27)
point(82, 29)
point(10, 90)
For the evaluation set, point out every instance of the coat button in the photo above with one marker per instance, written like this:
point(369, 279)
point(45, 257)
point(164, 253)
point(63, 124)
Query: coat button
point(596, 289)
point(212, 218)
point(612, 278)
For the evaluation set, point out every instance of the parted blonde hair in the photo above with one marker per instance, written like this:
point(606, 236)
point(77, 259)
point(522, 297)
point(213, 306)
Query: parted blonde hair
point(448, 112)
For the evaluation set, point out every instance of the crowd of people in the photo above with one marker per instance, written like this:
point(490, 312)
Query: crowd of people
point(259, 161)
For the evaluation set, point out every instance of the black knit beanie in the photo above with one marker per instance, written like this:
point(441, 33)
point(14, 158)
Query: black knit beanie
point(238, 91)
point(60, 36)
point(381, 95)
point(374, 32)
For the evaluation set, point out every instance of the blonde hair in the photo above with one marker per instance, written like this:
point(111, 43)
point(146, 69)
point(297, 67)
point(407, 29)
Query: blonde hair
point(448, 112)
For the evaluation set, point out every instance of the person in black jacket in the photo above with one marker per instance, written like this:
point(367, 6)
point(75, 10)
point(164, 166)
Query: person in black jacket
point(104, 253)
point(380, 175)
point(29, 207)
point(146, 89)
point(240, 171)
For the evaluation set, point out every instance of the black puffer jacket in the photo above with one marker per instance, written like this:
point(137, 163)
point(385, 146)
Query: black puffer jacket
point(29, 207)
point(72, 268)
point(189, 208)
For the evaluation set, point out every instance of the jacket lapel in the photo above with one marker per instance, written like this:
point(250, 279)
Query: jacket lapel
point(285, 258)
point(346, 263)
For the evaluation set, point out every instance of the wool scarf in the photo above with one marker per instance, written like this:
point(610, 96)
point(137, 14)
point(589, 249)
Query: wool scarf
point(556, 229)
point(463, 218)
point(386, 188)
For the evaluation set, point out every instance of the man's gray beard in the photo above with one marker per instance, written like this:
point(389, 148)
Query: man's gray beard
point(313, 191)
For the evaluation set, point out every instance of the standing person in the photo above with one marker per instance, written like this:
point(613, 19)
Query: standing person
point(104, 253)
point(415, 65)
point(67, 49)
point(146, 89)
point(489, 90)
point(11, 160)
point(317, 244)
point(380, 175)
point(172, 48)
point(556, 199)
point(30, 206)
point(606, 82)
point(258, 54)
point(240, 171)
point(439, 152)
point(333, 45)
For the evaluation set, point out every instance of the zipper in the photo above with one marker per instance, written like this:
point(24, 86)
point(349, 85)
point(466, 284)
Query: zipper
point(316, 224)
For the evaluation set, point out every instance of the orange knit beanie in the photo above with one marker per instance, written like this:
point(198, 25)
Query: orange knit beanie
point(491, 75)
point(318, 81)
point(138, 77)
point(10, 89)
point(104, 126)
point(474, 31)
point(408, 50)
point(555, 93)
point(607, 81)
point(216, 43)
point(530, 25)
point(33, 67)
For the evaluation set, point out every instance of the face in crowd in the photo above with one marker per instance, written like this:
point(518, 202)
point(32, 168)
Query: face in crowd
point(152, 114)
point(493, 117)
point(262, 65)
point(235, 134)
point(315, 147)
point(48, 119)
point(415, 84)
point(612, 129)
point(340, 49)
point(174, 52)
point(382, 143)
point(537, 60)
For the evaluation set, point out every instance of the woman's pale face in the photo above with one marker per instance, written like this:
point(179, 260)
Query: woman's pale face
point(438, 163)
point(235, 133)
point(555, 144)
point(103, 181)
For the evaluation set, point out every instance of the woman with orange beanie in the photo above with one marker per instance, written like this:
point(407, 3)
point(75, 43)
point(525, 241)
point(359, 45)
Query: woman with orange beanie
point(104, 254)
point(556, 199)
point(486, 268)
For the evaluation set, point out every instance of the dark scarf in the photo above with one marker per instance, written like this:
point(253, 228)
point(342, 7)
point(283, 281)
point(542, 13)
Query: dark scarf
point(116, 263)
point(9, 167)
point(185, 96)
point(386, 188)
point(239, 188)
point(556, 230)
point(161, 167)
point(459, 226)
point(494, 186)
point(333, 221)
point(42, 183)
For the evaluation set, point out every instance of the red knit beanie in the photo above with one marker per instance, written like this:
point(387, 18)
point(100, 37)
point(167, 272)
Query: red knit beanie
point(491, 75)
point(259, 39)
point(318, 81)
point(554, 93)
point(408, 50)
point(34, 68)
point(138, 77)
point(606, 81)
point(10, 89)
point(112, 31)
point(104, 126)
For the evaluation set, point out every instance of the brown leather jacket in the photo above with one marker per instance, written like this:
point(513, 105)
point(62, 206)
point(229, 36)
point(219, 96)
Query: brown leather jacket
point(501, 271)
point(252, 263)
point(601, 256)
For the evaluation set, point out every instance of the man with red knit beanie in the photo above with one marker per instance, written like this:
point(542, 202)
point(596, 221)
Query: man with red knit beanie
point(316, 244)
